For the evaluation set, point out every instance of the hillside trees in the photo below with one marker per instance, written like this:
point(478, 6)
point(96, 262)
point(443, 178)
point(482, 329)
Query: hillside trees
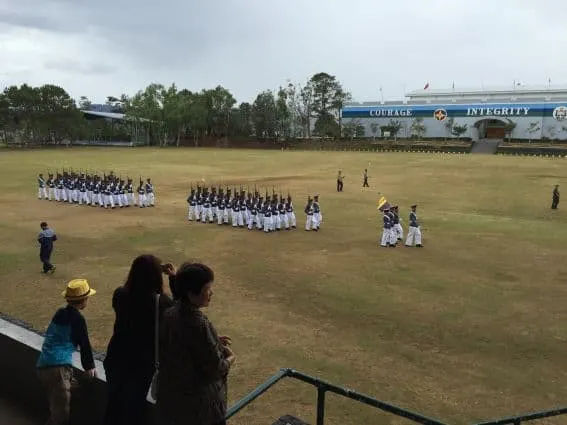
point(167, 115)
point(45, 114)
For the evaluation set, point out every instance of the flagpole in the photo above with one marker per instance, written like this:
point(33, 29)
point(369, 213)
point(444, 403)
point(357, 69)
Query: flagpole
point(381, 95)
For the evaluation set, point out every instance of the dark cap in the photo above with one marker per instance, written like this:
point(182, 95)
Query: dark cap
point(414, 206)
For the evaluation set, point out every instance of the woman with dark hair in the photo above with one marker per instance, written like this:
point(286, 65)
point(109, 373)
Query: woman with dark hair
point(194, 360)
point(129, 362)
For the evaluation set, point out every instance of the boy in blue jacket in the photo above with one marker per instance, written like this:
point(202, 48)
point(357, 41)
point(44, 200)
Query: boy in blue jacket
point(66, 332)
point(46, 238)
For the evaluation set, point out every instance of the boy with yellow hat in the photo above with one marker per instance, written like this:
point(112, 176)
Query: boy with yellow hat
point(66, 331)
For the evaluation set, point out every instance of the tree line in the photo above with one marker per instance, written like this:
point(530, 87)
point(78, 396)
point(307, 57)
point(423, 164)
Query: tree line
point(167, 115)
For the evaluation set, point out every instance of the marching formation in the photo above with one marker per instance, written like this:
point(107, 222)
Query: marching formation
point(247, 209)
point(241, 208)
point(108, 191)
point(393, 231)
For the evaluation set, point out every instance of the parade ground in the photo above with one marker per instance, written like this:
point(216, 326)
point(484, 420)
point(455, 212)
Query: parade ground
point(472, 326)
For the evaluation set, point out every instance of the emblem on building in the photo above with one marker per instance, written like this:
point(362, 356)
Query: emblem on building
point(440, 114)
point(560, 113)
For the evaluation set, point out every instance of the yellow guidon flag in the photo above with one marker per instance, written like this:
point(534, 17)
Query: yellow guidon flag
point(381, 202)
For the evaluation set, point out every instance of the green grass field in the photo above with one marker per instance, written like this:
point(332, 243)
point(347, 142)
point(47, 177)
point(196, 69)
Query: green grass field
point(470, 327)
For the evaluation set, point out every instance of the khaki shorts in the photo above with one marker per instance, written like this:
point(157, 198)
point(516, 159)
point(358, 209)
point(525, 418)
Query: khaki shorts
point(57, 381)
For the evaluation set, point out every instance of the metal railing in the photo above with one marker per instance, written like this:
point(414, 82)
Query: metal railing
point(517, 420)
point(323, 388)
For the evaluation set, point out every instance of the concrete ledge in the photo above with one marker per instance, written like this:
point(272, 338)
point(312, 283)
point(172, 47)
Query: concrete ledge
point(20, 346)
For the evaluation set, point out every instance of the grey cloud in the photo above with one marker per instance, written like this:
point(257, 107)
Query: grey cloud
point(75, 67)
point(251, 45)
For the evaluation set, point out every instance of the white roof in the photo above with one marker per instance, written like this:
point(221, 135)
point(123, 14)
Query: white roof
point(501, 90)
point(112, 115)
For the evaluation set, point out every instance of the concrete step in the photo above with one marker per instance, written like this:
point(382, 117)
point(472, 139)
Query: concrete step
point(486, 146)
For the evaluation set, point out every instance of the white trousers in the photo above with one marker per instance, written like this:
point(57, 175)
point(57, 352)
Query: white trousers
point(142, 200)
point(108, 201)
point(414, 235)
point(191, 213)
point(117, 198)
point(260, 221)
point(393, 236)
point(252, 219)
point(57, 194)
point(291, 219)
point(284, 221)
point(317, 220)
point(267, 224)
point(309, 223)
point(207, 215)
point(51, 193)
point(131, 199)
point(150, 199)
point(83, 199)
point(225, 216)
point(75, 194)
point(220, 216)
point(385, 237)
point(234, 218)
point(399, 230)
point(42, 193)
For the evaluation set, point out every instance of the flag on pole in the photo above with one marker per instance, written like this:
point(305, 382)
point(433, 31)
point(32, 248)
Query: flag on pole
point(453, 86)
point(382, 202)
point(426, 86)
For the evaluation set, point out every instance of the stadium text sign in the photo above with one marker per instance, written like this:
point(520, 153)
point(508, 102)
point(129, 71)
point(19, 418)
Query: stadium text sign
point(504, 111)
point(390, 113)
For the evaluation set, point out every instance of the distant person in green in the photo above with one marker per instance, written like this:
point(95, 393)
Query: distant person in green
point(555, 197)
point(340, 179)
point(66, 332)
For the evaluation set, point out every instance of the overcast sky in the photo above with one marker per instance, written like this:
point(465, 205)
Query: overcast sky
point(108, 47)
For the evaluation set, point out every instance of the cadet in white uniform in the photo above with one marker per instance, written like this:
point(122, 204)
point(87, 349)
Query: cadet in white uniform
point(414, 232)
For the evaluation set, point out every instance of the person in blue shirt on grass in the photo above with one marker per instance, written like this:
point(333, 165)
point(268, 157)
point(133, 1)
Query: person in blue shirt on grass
point(46, 238)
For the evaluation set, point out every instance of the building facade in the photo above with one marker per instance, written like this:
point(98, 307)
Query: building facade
point(535, 113)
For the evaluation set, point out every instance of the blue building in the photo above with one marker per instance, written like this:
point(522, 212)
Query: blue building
point(533, 113)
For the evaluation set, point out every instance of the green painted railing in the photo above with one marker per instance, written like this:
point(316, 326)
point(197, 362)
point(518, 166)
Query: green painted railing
point(324, 387)
point(517, 420)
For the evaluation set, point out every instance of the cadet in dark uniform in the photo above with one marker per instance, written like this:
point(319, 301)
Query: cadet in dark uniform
point(365, 177)
point(555, 200)
point(414, 231)
point(386, 229)
point(309, 214)
point(340, 179)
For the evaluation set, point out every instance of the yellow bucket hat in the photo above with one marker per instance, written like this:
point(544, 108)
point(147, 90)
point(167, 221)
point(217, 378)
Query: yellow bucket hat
point(78, 289)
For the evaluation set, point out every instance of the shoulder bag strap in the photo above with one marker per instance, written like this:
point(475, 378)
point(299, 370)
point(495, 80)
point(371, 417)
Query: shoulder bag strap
point(156, 334)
